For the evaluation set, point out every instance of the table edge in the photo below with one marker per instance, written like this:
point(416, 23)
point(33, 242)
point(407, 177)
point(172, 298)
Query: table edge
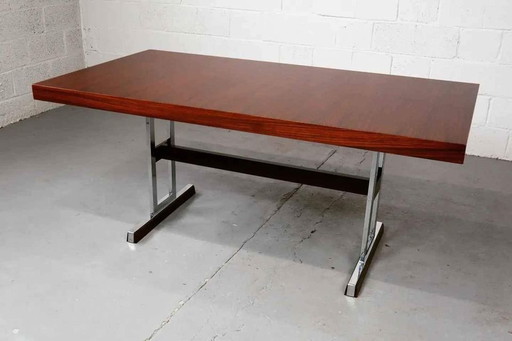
point(387, 143)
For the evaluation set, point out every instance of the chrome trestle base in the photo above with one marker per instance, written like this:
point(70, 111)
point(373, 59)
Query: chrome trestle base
point(136, 235)
point(167, 150)
point(159, 210)
point(372, 230)
point(356, 280)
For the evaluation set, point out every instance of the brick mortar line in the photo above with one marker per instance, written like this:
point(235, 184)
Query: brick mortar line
point(181, 304)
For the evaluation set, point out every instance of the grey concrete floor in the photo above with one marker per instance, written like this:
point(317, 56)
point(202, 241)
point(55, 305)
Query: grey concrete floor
point(240, 261)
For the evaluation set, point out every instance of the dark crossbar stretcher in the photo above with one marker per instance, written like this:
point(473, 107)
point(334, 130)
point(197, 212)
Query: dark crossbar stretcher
point(381, 113)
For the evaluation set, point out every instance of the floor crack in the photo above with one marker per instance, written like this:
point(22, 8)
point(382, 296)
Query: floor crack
point(319, 221)
point(331, 153)
point(284, 199)
point(363, 158)
point(322, 215)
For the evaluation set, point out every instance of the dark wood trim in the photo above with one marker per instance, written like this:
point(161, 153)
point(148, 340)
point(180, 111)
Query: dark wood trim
point(302, 175)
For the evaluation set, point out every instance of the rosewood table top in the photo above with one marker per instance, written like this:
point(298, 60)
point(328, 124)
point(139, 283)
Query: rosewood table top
point(392, 114)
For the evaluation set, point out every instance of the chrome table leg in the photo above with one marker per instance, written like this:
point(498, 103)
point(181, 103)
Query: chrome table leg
point(160, 209)
point(372, 229)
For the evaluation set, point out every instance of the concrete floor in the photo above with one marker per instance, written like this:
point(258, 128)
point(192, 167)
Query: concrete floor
point(240, 261)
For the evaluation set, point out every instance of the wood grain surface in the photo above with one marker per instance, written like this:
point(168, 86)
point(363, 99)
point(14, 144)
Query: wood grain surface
point(400, 115)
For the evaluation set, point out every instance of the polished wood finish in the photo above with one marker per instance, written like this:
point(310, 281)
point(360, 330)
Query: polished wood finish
point(400, 115)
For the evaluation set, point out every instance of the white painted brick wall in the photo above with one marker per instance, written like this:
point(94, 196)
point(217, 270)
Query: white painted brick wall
point(424, 11)
point(461, 40)
point(38, 39)
point(481, 113)
point(488, 141)
point(500, 113)
point(506, 48)
point(412, 66)
point(479, 45)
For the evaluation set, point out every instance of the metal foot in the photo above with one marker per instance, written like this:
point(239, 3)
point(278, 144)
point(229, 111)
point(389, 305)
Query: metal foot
point(354, 284)
point(172, 205)
point(372, 229)
point(160, 209)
